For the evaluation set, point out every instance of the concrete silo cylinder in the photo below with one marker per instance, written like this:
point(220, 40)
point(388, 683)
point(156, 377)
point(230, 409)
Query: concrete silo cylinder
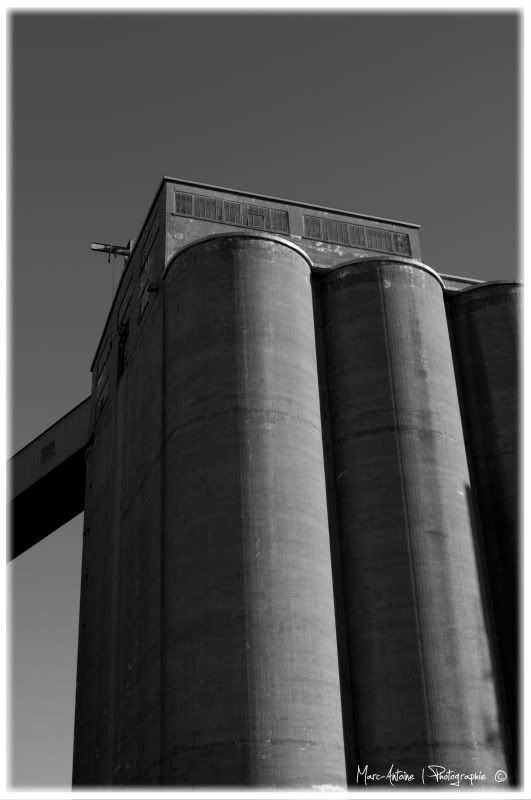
point(420, 666)
point(251, 680)
point(484, 323)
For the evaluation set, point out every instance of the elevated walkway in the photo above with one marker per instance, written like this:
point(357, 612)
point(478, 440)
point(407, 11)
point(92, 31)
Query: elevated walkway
point(47, 480)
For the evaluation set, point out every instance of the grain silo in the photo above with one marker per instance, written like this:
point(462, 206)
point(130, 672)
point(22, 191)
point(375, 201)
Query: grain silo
point(299, 471)
point(484, 323)
point(421, 673)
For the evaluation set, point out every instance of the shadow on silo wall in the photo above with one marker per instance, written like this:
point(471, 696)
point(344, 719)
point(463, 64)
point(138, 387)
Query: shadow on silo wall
point(421, 674)
point(484, 326)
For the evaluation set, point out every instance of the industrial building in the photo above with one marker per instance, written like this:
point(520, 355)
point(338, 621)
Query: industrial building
point(299, 474)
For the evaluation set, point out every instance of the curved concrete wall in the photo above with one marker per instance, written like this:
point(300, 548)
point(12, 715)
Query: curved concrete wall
point(485, 335)
point(251, 680)
point(420, 664)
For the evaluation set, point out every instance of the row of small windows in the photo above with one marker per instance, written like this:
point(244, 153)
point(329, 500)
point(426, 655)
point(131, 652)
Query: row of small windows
point(232, 213)
point(276, 221)
point(328, 230)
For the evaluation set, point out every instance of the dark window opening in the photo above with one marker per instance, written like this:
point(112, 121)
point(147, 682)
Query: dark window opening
point(150, 238)
point(279, 221)
point(231, 213)
point(146, 274)
point(144, 296)
point(102, 382)
point(312, 227)
point(256, 217)
point(183, 204)
point(208, 208)
point(101, 397)
point(124, 305)
point(123, 334)
point(48, 451)
point(357, 236)
point(104, 358)
point(335, 231)
point(401, 242)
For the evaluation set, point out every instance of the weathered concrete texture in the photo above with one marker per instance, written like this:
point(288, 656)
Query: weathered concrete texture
point(92, 761)
point(485, 338)
point(117, 726)
point(421, 673)
point(251, 692)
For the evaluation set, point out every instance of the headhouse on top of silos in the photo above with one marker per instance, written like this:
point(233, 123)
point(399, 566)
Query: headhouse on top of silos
point(184, 212)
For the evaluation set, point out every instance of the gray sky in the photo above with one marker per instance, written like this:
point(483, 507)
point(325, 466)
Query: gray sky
point(409, 116)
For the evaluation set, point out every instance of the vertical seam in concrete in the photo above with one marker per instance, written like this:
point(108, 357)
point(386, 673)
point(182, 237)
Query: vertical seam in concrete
point(350, 738)
point(239, 309)
point(162, 549)
point(115, 590)
point(405, 503)
point(82, 611)
point(515, 323)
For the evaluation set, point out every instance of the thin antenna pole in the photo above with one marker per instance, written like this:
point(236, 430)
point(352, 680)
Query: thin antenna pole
point(114, 250)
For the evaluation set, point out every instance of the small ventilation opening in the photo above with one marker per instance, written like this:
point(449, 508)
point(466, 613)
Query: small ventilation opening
point(122, 348)
point(48, 451)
